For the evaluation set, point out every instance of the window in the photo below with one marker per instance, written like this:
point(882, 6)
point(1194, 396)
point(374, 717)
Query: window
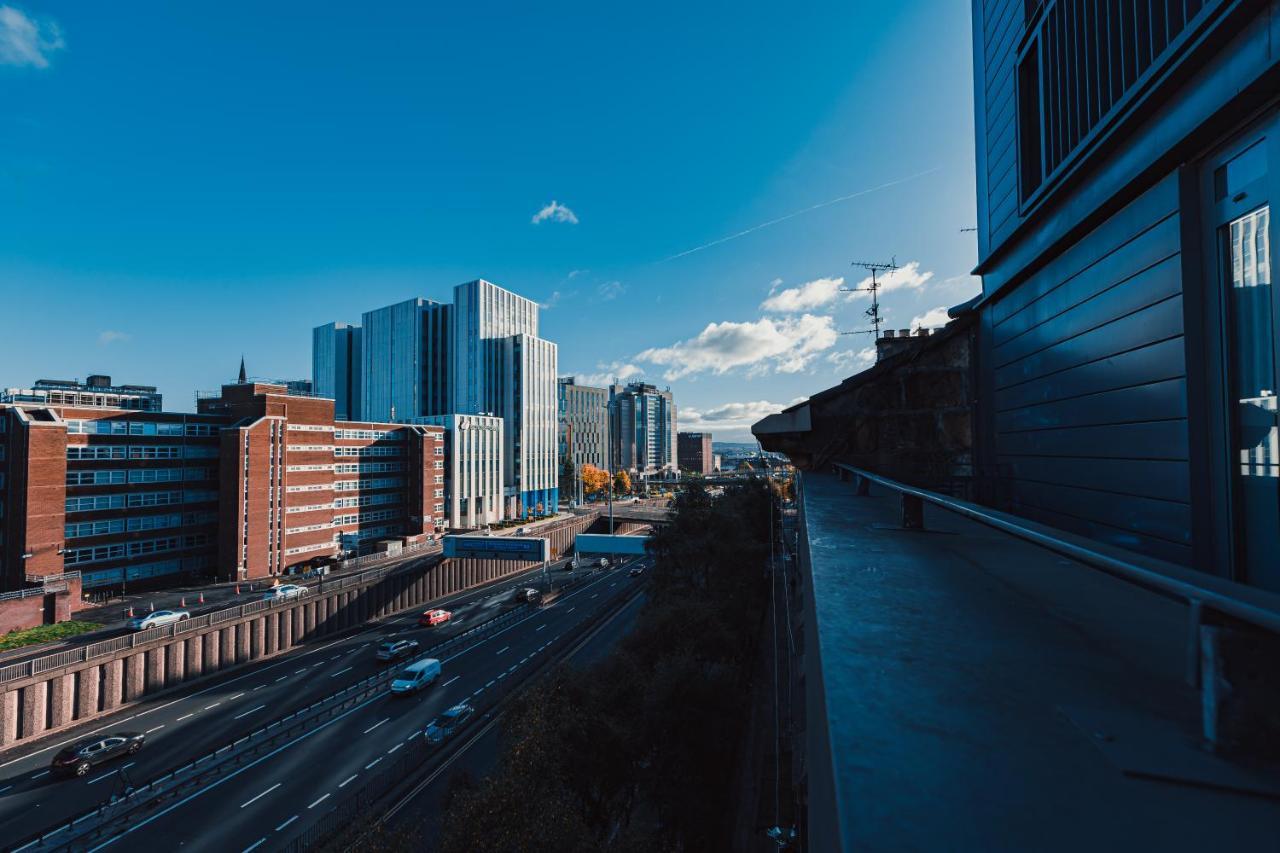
point(81, 452)
point(94, 528)
point(154, 522)
point(155, 475)
point(94, 478)
point(91, 503)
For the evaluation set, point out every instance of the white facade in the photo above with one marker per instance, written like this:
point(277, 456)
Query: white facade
point(474, 453)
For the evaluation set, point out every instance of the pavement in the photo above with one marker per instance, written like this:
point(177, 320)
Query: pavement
point(268, 799)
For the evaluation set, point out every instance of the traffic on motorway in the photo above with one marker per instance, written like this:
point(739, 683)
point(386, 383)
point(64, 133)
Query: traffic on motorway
point(196, 722)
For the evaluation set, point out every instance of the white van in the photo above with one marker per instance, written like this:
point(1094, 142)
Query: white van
point(416, 676)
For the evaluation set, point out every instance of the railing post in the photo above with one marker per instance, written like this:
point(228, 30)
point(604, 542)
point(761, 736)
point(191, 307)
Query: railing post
point(912, 512)
point(861, 486)
point(1195, 618)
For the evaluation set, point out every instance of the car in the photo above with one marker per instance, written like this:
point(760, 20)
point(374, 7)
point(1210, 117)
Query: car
point(416, 676)
point(396, 649)
point(449, 722)
point(78, 758)
point(434, 617)
point(636, 572)
point(285, 591)
point(604, 563)
point(158, 618)
point(530, 594)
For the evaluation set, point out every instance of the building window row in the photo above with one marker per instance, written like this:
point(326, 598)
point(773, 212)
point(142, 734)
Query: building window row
point(313, 487)
point(308, 508)
point(366, 517)
point(368, 485)
point(302, 549)
point(299, 468)
point(114, 427)
point(369, 500)
point(310, 428)
point(304, 448)
point(367, 467)
point(374, 434)
point(367, 450)
point(308, 528)
point(116, 551)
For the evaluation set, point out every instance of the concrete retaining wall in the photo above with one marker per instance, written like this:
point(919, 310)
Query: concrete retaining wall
point(60, 698)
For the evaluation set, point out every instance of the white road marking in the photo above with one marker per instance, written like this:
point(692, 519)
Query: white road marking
point(540, 627)
point(595, 595)
point(501, 650)
point(281, 678)
point(571, 609)
point(155, 729)
point(490, 684)
point(260, 796)
point(235, 697)
point(250, 711)
point(5, 788)
point(414, 735)
point(394, 748)
point(286, 823)
point(371, 763)
point(255, 845)
point(339, 672)
point(260, 686)
point(299, 672)
point(43, 773)
point(186, 716)
point(451, 680)
point(344, 782)
point(214, 705)
point(112, 773)
point(375, 725)
point(319, 801)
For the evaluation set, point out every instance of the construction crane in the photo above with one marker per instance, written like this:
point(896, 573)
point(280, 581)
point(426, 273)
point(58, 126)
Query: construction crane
point(874, 289)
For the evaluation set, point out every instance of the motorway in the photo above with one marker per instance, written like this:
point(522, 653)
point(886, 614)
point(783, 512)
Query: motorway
point(268, 795)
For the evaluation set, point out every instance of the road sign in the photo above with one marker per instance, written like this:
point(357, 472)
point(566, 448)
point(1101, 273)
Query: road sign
point(533, 548)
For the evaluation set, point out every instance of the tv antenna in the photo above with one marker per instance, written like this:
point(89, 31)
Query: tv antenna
point(874, 289)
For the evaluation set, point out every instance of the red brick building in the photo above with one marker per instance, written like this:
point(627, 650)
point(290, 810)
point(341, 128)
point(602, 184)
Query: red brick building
point(258, 481)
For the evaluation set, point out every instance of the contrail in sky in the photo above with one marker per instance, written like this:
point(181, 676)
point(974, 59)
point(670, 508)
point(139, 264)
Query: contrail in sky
point(809, 209)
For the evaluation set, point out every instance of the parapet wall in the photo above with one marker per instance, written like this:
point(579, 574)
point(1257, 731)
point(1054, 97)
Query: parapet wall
point(58, 698)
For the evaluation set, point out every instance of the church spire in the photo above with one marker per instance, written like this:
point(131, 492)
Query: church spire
point(243, 378)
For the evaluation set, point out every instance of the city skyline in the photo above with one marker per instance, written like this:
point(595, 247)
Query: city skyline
point(730, 264)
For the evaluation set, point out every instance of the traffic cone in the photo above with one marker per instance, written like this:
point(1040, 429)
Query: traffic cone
point(182, 602)
point(237, 589)
point(201, 598)
point(130, 612)
point(153, 607)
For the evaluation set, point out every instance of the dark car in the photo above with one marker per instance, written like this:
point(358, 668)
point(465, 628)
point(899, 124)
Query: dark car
point(77, 759)
point(396, 649)
point(449, 722)
point(636, 572)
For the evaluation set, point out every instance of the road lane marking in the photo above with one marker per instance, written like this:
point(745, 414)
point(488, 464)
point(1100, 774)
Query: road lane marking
point(250, 711)
point(319, 801)
point(501, 650)
point(214, 705)
point(595, 595)
point(344, 782)
point(254, 846)
point(394, 748)
point(260, 796)
point(155, 729)
point(260, 686)
point(490, 684)
point(299, 672)
point(540, 627)
point(571, 609)
point(375, 725)
point(235, 697)
point(5, 788)
point(286, 823)
point(339, 672)
point(112, 773)
point(44, 773)
point(281, 678)
point(371, 763)
point(414, 735)
point(451, 680)
point(186, 716)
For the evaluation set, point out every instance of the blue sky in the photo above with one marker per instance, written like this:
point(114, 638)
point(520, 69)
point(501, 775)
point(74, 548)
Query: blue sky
point(186, 182)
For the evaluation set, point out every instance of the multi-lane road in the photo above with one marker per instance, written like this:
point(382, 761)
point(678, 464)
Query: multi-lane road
point(265, 800)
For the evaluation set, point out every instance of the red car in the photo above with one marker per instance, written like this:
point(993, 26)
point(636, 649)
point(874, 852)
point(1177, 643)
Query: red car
point(434, 617)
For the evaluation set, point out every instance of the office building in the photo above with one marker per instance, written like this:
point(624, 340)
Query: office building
point(405, 361)
point(473, 474)
point(584, 423)
point(256, 482)
point(643, 429)
point(96, 392)
point(693, 450)
point(336, 367)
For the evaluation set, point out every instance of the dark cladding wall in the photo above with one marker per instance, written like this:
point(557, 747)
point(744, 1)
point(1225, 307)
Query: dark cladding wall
point(1090, 385)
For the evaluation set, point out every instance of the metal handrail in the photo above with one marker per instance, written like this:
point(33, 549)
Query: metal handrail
point(1247, 604)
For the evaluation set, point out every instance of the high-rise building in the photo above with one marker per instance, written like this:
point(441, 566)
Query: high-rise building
point(473, 476)
point(480, 355)
point(96, 392)
point(336, 367)
point(642, 429)
point(693, 450)
point(405, 361)
point(584, 424)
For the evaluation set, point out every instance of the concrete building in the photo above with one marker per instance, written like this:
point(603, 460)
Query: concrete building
point(96, 392)
point(473, 477)
point(256, 482)
point(693, 451)
point(584, 426)
point(643, 429)
point(336, 367)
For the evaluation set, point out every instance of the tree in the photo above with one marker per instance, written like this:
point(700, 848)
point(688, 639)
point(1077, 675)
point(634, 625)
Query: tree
point(594, 480)
point(622, 482)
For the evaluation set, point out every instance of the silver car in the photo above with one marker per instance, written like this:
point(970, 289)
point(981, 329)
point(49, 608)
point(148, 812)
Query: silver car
point(288, 590)
point(158, 618)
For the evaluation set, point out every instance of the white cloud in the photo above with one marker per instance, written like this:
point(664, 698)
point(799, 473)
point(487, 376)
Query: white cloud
point(556, 212)
point(552, 301)
point(608, 373)
point(931, 319)
point(110, 337)
point(905, 277)
point(728, 417)
point(853, 361)
point(25, 40)
point(611, 290)
point(810, 295)
point(785, 345)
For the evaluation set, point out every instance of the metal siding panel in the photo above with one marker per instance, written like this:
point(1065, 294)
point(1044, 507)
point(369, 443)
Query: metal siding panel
point(1155, 402)
point(1153, 285)
point(1151, 440)
point(1161, 480)
point(1160, 361)
point(1132, 538)
point(1154, 323)
point(1148, 249)
point(1128, 515)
